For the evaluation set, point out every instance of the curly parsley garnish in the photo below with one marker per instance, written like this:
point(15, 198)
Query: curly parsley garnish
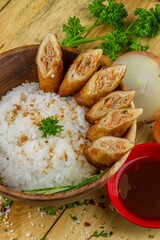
point(49, 127)
point(123, 37)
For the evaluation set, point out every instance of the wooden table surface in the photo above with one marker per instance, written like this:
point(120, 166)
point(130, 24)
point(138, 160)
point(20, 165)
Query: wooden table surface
point(27, 22)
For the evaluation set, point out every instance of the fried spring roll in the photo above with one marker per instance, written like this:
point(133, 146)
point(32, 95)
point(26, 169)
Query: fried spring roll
point(100, 84)
point(114, 123)
point(49, 64)
point(107, 150)
point(114, 100)
point(80, 71)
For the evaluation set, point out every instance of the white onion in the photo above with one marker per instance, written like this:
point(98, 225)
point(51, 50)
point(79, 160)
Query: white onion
point(143, 75)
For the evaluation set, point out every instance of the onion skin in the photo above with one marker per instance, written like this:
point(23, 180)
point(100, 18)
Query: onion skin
point(143, 75)
point(156, 130)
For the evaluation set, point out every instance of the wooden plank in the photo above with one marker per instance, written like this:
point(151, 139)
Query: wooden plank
point(27, 222)
point(145, 133)
point(99, 219)
point(31, 20)
point(3, 4)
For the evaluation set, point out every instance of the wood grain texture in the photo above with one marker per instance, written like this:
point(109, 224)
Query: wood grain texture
point(3, 4)
point(98, 213)
point(27, 221)
point(28, 21)
point(100, 219)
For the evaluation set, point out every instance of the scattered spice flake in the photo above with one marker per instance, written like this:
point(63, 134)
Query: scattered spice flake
point(87, 224)
point(61, 207)
point(5, 208)
point(76, 203)
point(74, 218)
point(95, 216)
point(103, 223)
point(92, 202)
point(100, 234)
point(43, 238)
point(110, 233)
point(151, 236)
point(102, 227)
point(111, 207)
point(85, 210)
point(102, 205)
point(102, 196)
point(83, 202)
point(49, 210)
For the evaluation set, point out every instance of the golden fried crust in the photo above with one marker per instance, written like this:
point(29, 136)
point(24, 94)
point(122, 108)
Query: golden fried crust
point(114, 100)
point(107, 150)
point(115, 123)
point(49, 64)
point(100, 84)
point(80, 71)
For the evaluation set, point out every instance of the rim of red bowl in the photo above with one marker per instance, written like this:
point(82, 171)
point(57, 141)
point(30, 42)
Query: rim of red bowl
point(140, 150)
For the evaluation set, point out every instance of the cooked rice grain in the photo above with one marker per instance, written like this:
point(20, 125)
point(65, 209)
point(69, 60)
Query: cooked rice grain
point(28, 161)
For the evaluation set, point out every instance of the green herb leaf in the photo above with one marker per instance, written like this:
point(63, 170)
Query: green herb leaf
point(111, 14)
point(122, 38)
point(49, 210)
point(49, 127)
point(74, 218)
point(116, 41)
point(96, 8)
point(135, 45)
point(124, 111)
point(148, 22)
point(76, 203)
point(73, 29)
point(100, 234)
point(43, 238)
point(8, 202)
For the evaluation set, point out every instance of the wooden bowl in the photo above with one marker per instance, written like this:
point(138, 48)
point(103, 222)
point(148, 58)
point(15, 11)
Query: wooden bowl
point(17, 66)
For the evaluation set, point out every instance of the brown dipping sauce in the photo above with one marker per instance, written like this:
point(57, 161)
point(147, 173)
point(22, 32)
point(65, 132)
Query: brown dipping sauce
point(139, 188)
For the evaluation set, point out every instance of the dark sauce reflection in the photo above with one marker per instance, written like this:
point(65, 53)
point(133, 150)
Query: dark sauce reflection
point(139, 188)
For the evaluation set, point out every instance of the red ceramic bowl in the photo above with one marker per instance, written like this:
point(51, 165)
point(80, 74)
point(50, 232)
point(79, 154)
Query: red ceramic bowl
point(134, 190)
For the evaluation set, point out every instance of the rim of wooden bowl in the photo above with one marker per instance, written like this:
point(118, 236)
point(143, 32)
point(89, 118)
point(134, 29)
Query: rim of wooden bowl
point(72, 195)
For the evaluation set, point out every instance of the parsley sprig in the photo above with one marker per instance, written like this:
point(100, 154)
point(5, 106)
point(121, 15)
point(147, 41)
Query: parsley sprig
point(49, 127)
point(123, 37)
point(148, 23)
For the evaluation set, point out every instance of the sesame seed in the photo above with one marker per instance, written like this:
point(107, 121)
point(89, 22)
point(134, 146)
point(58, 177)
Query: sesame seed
point(33, 238)
point(28, 234)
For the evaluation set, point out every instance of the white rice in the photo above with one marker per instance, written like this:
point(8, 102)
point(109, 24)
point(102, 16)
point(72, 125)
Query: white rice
point(28, 161)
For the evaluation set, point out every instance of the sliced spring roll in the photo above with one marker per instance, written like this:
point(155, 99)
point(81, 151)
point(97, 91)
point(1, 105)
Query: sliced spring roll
point(114, 100)
point(100, 84)
point(114, 123)
point(80, 71)
point(107, 150)
point(49, 64)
